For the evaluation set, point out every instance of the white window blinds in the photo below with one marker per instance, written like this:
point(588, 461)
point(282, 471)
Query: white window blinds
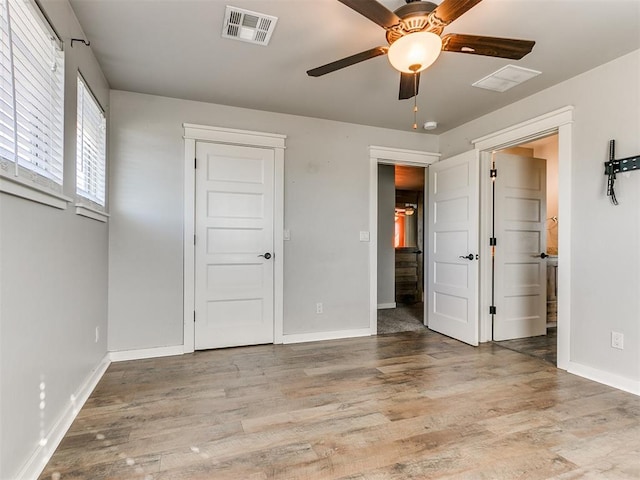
point(91, 148)
point(31, 96)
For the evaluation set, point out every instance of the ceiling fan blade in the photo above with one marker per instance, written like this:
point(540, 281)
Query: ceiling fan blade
point(374, 11)
point(449, 10)
point(407, 87)
point(347, 61)
point(489, 46)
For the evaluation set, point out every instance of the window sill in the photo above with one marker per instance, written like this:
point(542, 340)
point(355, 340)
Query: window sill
point(35, 193)
point(92, 213)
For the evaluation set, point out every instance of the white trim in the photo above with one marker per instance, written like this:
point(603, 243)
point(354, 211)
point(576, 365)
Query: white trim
point(559, 121)
point(43, 453)
point(156, 352)
point(607, 378)
point(189, 253)
point(278, 246)
point(529, 129)
point(401, 156)
point(233, 136)
point(275, 141)
point(19, 188)
point(384, 306)
point(90, 212)
point(386, 156)
point(319, 336)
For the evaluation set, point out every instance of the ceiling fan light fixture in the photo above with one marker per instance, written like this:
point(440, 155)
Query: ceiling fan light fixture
point(415, 52)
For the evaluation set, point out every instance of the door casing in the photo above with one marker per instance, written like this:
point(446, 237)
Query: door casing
point(385, 156)
point(555, 122)
point(276, 142)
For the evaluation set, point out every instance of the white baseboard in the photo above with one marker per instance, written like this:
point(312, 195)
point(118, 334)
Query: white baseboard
point(41, 456)
point(600, 376)
point(383, 306)
point(318, 336)
point(123, 355)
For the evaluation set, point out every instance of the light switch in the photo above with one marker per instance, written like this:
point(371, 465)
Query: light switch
point(286, 234)
point(364, 236)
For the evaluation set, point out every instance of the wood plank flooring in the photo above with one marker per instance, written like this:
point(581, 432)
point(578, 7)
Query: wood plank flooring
point(412, 405)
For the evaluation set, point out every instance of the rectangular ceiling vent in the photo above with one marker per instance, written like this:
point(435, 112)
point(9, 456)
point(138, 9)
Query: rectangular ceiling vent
point(506, 78)
point(248, 26)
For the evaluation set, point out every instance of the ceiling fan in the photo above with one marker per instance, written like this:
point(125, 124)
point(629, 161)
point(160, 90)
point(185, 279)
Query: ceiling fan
point(414, 35)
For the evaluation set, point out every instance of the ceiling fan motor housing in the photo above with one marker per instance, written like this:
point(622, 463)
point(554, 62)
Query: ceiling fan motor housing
point(416, 17)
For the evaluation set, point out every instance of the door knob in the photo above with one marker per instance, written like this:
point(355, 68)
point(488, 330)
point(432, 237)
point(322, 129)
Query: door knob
point(266, 255)
point(468, 257)
point(542, 255)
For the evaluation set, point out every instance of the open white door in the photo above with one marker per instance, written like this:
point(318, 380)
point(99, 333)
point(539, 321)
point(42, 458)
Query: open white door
point(520, 209)
point(452, 299)
point(234, 283)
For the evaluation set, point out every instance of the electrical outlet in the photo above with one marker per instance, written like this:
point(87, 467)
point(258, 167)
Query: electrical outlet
point(97, 334)
point(318, 307)
point(617, 340)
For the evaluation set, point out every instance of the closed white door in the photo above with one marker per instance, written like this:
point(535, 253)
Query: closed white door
point(520, 289)
point(452, 301)
point(234, 292)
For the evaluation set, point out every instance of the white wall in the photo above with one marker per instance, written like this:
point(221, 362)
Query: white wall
point(53, 285)
point(326, 205)
point(605, 240)
point(386, 231)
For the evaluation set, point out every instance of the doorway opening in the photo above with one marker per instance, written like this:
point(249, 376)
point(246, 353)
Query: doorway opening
point(401, 191)
point(525, 251)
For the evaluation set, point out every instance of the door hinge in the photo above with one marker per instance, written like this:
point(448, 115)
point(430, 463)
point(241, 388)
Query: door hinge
point(493, 173)
point(195, 163)
point(194, 239)
point(492, 310)
point(194, 315)
point(493, 242)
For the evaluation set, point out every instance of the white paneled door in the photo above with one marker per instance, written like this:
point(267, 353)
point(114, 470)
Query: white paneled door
point(234, 284)
point(452, 286)
point(520, 266)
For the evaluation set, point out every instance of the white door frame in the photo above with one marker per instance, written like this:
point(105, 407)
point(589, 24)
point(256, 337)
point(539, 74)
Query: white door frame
point(560, 122)
point(276, 142)
point(385, 156)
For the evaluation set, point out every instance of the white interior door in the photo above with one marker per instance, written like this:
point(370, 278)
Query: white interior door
point(520, 289)
point(234, 293)
point(453, 219)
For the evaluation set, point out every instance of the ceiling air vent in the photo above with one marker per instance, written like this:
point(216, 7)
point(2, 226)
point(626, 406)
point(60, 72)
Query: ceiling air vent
point(248, 26)
point(506, 78)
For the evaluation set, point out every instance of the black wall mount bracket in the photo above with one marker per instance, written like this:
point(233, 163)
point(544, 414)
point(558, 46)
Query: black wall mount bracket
point(613, 166)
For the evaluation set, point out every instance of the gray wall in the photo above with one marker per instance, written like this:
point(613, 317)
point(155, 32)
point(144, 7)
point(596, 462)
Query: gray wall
point(326, 205)
point(386, 230)
point(605, 240)
point(53, 285)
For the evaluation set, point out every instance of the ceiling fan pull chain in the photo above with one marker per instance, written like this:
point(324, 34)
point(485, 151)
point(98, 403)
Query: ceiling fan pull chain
point(415, 100)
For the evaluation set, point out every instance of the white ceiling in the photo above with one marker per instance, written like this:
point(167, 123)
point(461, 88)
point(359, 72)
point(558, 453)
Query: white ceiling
point(174, 48)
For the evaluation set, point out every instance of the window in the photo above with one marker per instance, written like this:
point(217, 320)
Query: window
point(91, 148)
point(31, 97)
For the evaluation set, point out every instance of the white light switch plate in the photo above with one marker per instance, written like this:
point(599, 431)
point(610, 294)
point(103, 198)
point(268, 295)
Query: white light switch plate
point(364, 236)
point(286, 234)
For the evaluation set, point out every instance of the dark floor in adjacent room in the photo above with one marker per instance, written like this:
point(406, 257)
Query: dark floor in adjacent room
point(544, 346)
point(403, 318)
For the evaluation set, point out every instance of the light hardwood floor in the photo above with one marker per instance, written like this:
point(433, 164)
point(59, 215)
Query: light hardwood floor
point(413, 405)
